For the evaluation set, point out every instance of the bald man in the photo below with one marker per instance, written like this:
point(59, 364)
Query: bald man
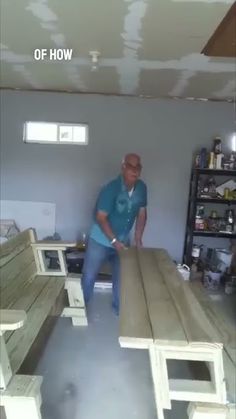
point(120, 203)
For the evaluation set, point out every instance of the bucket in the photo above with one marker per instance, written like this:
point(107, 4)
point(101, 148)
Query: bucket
point(184, 271)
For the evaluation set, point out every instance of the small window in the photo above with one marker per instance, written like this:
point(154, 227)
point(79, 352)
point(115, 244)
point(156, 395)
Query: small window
point(55, 133)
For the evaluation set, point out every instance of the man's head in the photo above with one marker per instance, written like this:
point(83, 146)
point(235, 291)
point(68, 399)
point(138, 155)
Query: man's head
point(131, 169)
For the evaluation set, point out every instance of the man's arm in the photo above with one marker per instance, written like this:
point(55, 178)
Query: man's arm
point(102, 220)
point(140, 225)
point(106, 228)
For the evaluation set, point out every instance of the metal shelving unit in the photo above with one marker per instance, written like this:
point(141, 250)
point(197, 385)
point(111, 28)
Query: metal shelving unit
point(194, 200)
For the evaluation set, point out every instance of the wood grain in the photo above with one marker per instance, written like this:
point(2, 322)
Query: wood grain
point(21, 340)
point(135, 325)
point(14, 246)
point(165, 321)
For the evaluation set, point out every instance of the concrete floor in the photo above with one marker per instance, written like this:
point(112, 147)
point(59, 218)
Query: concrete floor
point(88, 376)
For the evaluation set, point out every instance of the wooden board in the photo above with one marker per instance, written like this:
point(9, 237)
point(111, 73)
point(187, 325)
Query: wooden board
point(14, 246)
point(27, 297)
point(218, 318)
point(36, 350)
point(227, 332)
point(15, 267)
point(188, 307)
point(11, 319)
point(223, 41)
point(21, 340)
point(9, 295)
point(164, 318)
point(135, 328)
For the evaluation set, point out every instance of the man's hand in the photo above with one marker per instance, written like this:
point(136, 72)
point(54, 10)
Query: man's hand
point(119, 246)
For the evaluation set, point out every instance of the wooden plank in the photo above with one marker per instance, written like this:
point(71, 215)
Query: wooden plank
point(165, 322)
point(11, 319)
point(21, 340)
point(14, 246)
point(230, 375)
point(22, 398)
point(62, 262)
point(28, 295)
point(156, 377)
point(35, 353)
point(76, 300)
point(5, 367)
point(219, 319)
point(78, 315)
point(135, 328)
point(192, 390)
point(207, 411)
point(222, 42)
point(189, 309)
point(227, 332)
point(9, 295)
point(12, 269)
point(22, 386)
point(53, 245)
point(74, 290)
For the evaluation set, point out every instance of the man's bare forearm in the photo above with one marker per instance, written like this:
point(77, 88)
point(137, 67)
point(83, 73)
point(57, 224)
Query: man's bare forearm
point(105, 225)
point(140, 226)
point(106, 228)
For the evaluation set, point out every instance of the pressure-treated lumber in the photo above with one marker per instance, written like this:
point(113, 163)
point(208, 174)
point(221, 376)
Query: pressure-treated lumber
point(22, 398)
point(77, 309)
point(15, 246)
point(11, 319)
point(226, 331)
point(164, 318)
point(135, 328)
point(27, 289)
point(53, 245)
point(195, 322)
point(156, 302)
point(19, 343)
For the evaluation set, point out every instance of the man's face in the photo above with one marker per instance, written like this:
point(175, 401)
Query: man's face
point(131, 169)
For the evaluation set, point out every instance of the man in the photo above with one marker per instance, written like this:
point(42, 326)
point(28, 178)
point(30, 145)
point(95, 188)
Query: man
point(119, 204)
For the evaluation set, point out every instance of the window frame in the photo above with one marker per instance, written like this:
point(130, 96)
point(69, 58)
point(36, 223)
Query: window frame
point(58, 124)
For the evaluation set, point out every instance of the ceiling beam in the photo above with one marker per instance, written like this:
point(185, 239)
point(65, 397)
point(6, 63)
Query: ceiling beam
point(223, 41)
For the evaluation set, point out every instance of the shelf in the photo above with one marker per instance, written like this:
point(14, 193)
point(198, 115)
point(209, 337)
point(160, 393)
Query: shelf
point(221, 172)
point(212, 234)
point(217, 201)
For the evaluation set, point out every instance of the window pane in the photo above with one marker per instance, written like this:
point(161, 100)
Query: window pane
point(80, 134)
point(41, 131)
point(65, 133)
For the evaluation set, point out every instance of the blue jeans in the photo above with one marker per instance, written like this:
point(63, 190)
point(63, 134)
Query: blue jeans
point(96, 255)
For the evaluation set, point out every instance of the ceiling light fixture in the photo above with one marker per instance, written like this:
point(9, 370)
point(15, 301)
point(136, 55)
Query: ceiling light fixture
point(94, 59)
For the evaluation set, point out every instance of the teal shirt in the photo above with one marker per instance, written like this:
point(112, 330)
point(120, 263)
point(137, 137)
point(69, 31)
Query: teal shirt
point(121, 209)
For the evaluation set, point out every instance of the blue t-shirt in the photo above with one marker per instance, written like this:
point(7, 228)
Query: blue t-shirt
point(121, 208)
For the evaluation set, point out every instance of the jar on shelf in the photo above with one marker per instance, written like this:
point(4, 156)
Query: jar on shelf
point(217, 146)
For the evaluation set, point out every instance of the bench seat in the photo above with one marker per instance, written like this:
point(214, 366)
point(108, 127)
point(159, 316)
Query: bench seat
point(160, 312)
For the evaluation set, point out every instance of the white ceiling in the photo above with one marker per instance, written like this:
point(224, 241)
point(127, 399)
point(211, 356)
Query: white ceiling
point(148, 47)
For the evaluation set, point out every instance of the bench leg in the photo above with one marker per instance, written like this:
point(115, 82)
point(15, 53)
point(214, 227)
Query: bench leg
point(23, 408)
point(77, 309)
point(22, 398)
point(5, 368)
point(207, 411)
point(158, 383)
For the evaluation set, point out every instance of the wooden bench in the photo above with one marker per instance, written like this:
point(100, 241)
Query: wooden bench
point(160, 313)
point(29, 291)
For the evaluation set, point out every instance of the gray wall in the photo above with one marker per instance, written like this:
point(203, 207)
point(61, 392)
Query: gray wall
point(164, 132)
